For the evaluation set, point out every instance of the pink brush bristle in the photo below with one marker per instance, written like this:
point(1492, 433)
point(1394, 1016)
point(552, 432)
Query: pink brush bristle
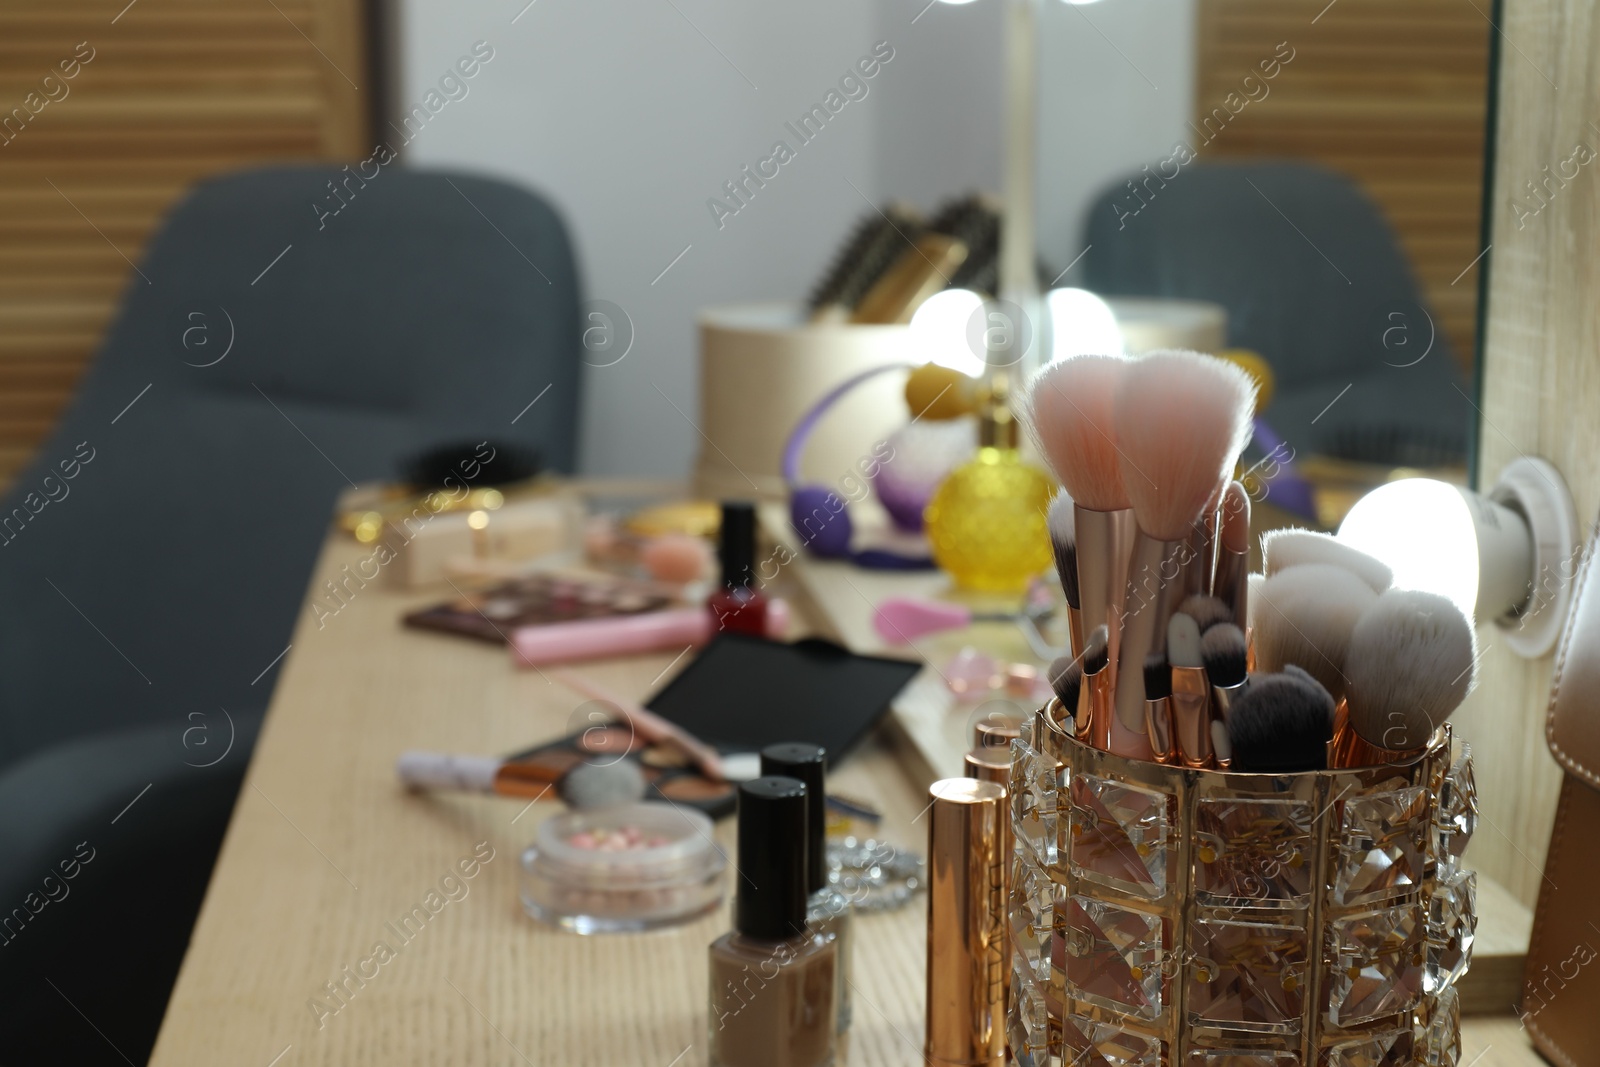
point(901, 620)
point(1069, 413)
point(1181, 420)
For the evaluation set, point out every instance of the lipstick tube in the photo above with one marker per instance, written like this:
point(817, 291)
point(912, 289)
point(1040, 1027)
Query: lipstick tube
point(969, 949)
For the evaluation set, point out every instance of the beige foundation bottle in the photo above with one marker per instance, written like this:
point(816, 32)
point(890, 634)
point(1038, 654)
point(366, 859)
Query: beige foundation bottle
point(774, 996)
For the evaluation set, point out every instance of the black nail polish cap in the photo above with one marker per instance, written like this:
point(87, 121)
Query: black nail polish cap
point(770, 902)
point(737, 543)
point(808, 763)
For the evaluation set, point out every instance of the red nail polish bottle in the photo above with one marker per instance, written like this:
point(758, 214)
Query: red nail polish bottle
point(737, 605)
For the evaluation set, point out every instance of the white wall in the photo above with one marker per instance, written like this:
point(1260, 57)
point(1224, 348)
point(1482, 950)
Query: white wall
point(629, 119)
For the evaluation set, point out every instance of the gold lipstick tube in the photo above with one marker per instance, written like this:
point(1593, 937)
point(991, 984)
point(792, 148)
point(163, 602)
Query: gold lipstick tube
point(988, 764)
point(969, 951)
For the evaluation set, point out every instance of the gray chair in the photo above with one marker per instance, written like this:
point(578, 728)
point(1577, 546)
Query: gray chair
point(1314, 280)
point(267, 354)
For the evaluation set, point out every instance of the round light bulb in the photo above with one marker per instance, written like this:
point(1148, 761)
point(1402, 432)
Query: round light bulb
point(939, 330)
point(1081, 322)
point(1423, 530)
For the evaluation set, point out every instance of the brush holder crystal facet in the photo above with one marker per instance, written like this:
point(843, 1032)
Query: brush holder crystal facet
point(1168, 917)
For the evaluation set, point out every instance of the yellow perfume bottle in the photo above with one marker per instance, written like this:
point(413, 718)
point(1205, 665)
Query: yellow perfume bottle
point(986, 521)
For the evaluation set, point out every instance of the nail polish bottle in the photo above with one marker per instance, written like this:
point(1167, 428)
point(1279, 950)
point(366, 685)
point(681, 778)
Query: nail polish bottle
point(736, 604)
point(774, 996)
point(827, 909)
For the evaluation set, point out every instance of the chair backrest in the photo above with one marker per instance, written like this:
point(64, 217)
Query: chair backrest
point(1312, 278)
point(289, 332)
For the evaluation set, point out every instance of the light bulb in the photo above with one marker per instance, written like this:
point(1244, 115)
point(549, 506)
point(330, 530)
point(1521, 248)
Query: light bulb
point(1081, 322)
point(939, 330)
point(1423, 530)
point(1507, 557)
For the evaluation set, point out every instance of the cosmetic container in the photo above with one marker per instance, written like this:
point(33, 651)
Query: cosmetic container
point(969, 845)
point(986, 522)
point(737, 605)
point(622, 869)
point(827, 910)
point(1175, 916)
point(774, 1000)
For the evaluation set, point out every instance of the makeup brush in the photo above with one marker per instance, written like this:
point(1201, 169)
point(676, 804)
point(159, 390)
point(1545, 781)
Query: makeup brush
point(1223, 654)
point(1066, 680)
point(1412, 662)
point(1181, 419)
point(1061, 521)
point(1068, 411)
point(1158, 708)
point(1304, 615)
point(1092, 722)
point(1207, 611)
point(1282, 549)
point(1221, 745)
point(1191, 692)
point(1280, 725)
point(583, 786)
point(1230, 581)
point(650, 726)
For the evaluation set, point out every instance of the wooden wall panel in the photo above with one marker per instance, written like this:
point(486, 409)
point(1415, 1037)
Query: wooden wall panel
point(177, 90)
point(1390, 92)
point(1541, 384)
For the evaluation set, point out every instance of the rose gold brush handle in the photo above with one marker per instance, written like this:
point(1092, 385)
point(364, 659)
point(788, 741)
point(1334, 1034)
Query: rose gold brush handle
point(1105, 544)
point(1155, 587)
point(1191, 715)
point(1158, 723)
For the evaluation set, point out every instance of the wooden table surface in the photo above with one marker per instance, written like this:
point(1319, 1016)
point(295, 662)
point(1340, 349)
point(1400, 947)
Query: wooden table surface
point(325, 849)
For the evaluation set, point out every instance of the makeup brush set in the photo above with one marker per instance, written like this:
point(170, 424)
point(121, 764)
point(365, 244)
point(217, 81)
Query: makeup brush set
point(1239, 823)
point(1151, 542)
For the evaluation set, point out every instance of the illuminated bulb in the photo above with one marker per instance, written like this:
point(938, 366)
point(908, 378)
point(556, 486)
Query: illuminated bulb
point(939, 330)
point(478, 520)
point(1080, 322)
point(1507, 558)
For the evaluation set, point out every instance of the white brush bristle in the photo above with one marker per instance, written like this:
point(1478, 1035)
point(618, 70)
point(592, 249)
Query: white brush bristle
point(1183, 641)
point(1181, 420)
point(1252, 598)
point(1068, 410)
point(1412, 662)
point(1282, 549)
point(1062, 520)
point(1304, 616)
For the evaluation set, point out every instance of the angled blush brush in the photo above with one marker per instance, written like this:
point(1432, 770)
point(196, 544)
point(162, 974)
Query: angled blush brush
point(1181, 419)
point(1068, 411)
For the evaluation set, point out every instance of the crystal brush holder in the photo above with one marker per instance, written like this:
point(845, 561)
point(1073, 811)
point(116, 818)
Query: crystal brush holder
point(1163, 916)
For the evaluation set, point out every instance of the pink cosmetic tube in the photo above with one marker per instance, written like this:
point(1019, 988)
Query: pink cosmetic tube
point(626, 635)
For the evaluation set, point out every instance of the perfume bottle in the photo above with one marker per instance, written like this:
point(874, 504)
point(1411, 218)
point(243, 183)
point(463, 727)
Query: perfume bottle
point(774, 996)
point(736, 604)
point(986, 522)
point(827, 909)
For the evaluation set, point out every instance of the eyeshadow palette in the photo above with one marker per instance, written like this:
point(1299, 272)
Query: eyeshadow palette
point(539, 599)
